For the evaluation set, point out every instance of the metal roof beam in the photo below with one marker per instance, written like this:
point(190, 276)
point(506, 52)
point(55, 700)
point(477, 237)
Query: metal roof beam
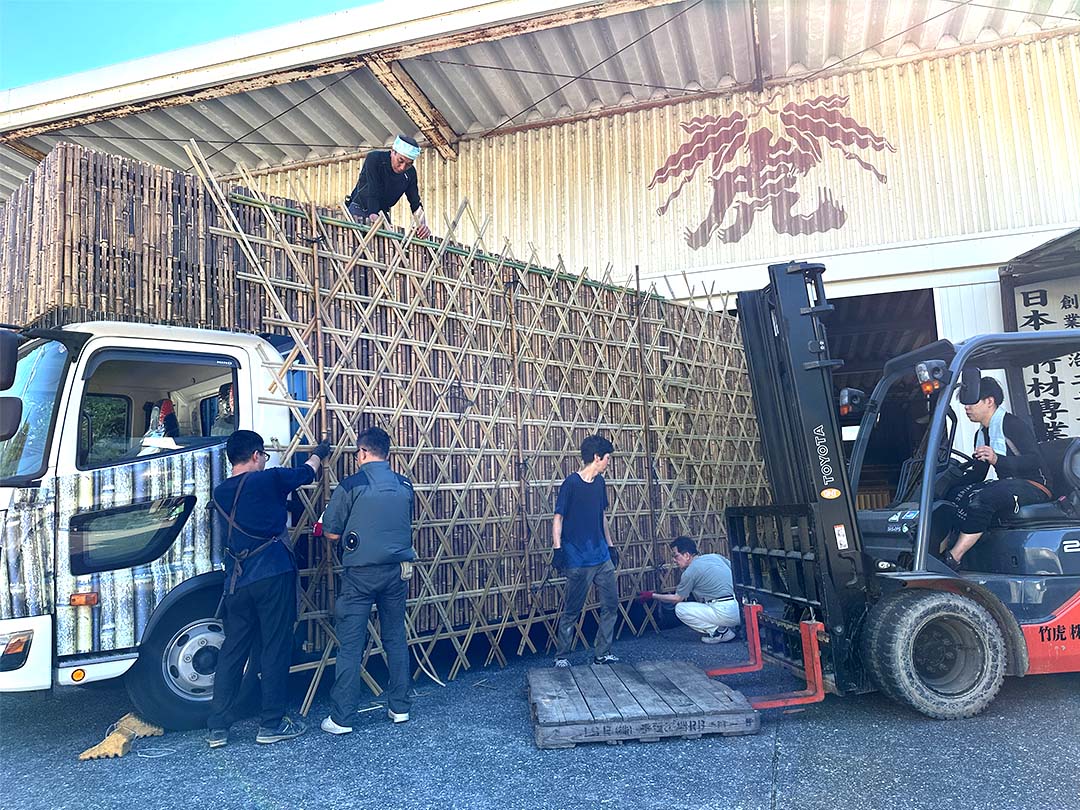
point(540, 22)
point(25, 149)
point(417, 106)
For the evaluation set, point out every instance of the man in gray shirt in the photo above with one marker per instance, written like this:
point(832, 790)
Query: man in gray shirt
point(707, 578)
point(371, 513)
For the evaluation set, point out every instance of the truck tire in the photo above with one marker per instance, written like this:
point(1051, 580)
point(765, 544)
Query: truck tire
point(940, 653)
point(172, 682)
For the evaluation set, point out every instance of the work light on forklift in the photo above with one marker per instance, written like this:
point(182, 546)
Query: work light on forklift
point(852, 401)
point(931, 375)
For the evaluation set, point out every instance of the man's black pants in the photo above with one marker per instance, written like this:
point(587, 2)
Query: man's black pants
point(264, 609)
point(978, 504)
point(362, 587)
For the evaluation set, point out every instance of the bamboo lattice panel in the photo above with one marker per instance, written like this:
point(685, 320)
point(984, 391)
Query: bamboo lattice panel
point(486, 369)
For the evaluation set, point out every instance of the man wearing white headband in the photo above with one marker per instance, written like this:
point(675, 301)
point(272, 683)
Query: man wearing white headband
point(387, 174)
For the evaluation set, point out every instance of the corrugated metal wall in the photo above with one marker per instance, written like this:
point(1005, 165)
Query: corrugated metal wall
point(984, 142)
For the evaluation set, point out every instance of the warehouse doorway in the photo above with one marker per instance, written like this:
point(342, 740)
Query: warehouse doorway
point(865, 331)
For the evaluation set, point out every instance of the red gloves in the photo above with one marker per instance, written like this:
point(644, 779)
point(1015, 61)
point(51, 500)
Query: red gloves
point(645, 596)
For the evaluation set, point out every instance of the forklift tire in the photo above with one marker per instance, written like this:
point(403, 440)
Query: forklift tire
point(172, 682)
point(940, 653)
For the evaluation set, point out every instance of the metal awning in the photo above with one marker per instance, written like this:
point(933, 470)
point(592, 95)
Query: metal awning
point(462, 69)
point(1055, 259)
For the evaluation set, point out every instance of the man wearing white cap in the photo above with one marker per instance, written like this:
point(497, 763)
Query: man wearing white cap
point(387, 174)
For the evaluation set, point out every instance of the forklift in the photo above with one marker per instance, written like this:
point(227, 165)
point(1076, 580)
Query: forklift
point(856, 601)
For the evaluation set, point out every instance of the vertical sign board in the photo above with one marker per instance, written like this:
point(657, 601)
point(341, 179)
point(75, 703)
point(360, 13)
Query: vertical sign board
point(1053, 386)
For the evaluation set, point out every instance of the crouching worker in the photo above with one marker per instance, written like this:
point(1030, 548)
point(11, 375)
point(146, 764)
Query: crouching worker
point(371, 513)
point(707, 578)
point(260, 584)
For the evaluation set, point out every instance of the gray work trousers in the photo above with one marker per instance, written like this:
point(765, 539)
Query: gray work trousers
point(362, 587)
point(578, 581)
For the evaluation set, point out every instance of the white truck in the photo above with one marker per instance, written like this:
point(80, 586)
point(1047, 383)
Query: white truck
point(113, 435)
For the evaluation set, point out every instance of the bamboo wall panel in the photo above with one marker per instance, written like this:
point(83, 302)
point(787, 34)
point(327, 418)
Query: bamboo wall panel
point(486, 369)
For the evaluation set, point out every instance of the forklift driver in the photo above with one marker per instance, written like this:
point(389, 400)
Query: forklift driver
point(1006, 444)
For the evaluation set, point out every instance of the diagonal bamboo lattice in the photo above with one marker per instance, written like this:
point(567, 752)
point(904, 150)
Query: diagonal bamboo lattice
point(488, 372)
point(486, 368)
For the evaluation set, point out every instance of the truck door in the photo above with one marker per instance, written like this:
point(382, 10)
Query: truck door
point(139, 455)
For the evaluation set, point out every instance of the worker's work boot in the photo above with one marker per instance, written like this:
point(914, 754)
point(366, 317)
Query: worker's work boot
point(398, 717)
point(217, 738)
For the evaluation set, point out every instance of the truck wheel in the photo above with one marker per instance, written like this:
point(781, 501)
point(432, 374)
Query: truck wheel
point(172, 683)
point(940, 653)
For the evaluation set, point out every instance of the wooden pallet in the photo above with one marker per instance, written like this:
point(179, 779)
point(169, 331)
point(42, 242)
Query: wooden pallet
point(646, 701)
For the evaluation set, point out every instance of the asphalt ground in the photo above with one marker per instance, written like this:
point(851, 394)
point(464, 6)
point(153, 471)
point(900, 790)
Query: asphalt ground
point(470, 745)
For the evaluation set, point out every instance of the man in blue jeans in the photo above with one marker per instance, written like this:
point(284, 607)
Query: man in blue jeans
point(581, 546)
point(260, 584)
point(371, 513)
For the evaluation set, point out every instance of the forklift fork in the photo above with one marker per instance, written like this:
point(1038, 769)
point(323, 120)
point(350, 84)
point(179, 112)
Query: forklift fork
point(815, 682)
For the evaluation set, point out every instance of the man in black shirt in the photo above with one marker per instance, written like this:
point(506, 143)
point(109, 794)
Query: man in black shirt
point(260, 583)
point(1007, 444)
point(385, 177)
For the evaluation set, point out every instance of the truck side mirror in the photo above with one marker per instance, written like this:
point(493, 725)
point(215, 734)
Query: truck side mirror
point(9, 357)
point(852, 401)
point(10, 417)
point(970, 382)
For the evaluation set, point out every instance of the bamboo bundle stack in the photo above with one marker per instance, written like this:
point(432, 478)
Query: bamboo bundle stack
point(487, 372)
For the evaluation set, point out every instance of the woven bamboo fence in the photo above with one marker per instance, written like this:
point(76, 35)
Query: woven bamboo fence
point(486, 369)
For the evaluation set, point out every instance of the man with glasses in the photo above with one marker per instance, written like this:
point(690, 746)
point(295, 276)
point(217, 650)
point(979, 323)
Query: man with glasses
point(706, 578)
point(387, 175)
point(260, 584)
point(371, 513)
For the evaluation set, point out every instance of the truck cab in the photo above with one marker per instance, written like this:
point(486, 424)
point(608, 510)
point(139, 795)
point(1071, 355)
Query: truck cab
point(112, 562)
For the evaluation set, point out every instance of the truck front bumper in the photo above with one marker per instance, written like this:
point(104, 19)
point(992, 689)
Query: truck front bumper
point(26, 654)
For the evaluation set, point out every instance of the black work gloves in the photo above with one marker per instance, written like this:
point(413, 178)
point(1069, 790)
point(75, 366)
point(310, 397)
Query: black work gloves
point(558, 559)
point(322, 450)
point(614, 552)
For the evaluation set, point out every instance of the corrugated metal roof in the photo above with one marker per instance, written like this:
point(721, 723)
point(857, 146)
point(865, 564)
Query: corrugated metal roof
point(653, 54)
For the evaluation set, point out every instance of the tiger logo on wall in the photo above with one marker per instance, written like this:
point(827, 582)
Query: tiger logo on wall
point(755, 169)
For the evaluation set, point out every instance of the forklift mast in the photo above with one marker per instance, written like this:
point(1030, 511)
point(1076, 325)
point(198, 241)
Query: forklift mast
point(804, 549)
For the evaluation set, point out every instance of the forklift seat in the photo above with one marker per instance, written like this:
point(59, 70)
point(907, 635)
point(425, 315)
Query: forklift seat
point(1061, 464)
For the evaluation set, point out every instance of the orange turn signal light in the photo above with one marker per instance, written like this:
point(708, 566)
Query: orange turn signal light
point(930, 386)
point(78, 674)
point(845, 410)
point(18, 643)
point(83, 599)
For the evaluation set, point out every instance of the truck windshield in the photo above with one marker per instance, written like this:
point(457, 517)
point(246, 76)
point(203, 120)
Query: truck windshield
point(37, 383)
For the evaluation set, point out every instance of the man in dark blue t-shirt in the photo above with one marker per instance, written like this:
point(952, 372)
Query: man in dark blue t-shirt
point(260, 583)
point(582, 548)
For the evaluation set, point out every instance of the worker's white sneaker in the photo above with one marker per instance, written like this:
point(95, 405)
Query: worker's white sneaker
point(719, 636)
point(398, 717)
point(330, 727)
